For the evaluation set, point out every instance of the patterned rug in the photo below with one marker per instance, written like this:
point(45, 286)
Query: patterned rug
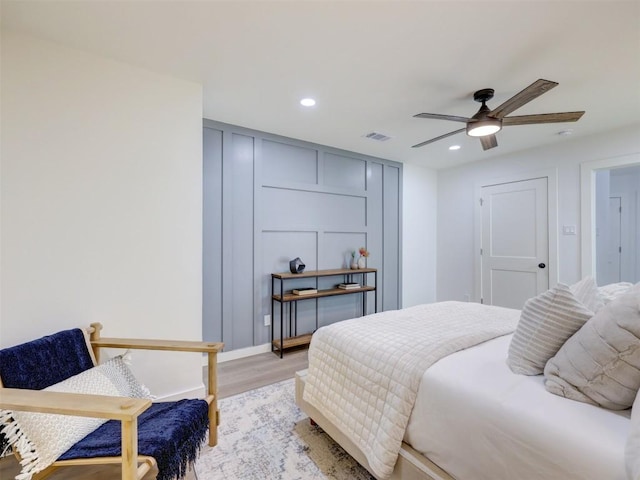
point(263, 435)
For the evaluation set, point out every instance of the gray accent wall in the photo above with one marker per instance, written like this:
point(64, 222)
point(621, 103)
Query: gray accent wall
point(269, 199)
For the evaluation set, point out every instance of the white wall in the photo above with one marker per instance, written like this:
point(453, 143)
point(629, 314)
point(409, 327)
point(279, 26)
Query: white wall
point(419, 206)
point(456, 203)
point(101, 202)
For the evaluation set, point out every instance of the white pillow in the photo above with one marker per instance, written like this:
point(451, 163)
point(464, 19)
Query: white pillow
point(611, 291)
point(600, 364)
point(41, 438)
point(546, 322)
point(587, 292)
point(632, 449)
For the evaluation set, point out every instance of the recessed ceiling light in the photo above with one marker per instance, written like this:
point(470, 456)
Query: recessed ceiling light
point(454, 147)
point(307, 102)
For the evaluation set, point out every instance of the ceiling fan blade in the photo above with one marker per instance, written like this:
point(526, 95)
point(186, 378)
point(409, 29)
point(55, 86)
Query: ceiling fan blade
point(543, 118)
point(436, 116)
point(438, 138)
point(488, 141)
point(533, 91)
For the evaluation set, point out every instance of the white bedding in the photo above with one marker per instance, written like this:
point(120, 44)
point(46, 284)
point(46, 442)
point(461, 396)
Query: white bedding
point(364, 373)
point(478, 420)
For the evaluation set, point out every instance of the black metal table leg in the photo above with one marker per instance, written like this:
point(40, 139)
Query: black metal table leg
point(281, 318)
point(375, 276)
point(291, 307)
point(272, 305)
point(364, 295)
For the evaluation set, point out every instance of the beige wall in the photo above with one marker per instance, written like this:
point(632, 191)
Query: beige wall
point(101, 202)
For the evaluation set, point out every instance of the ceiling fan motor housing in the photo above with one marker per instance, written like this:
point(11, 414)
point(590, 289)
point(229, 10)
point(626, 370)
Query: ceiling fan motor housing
point(483, 95)
point(481, 123)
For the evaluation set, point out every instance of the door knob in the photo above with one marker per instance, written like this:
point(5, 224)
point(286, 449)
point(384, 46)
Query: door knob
point(541, 265)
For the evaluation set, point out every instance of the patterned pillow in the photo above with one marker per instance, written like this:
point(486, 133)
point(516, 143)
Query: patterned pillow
point(41, 438)
point(600, 364)
point(546, 322)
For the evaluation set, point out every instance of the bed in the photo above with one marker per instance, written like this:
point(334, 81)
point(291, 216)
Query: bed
point(471, 417)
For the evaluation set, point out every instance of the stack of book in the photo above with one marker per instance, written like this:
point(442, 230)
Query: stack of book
point(305, 291)
point(348, 286)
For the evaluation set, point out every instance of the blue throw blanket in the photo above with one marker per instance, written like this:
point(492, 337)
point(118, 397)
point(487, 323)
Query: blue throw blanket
point(170, 432)
point(46, 361)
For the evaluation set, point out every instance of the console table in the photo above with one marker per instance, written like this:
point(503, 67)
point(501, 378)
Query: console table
point(287, 297)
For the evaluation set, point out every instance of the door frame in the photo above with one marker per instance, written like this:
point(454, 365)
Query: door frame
point(551, 174)
point(624, 229)
point(588, 205)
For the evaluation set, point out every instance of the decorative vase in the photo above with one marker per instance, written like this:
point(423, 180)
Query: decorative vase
point(362, 262)
point(354, 264)
point(296, 265)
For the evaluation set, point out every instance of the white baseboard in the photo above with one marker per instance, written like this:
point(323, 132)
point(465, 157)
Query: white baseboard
point(197, 392)
point(240, 353)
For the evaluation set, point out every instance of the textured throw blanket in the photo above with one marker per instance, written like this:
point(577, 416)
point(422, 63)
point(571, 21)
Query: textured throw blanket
point(170, 432)
point(364, 373)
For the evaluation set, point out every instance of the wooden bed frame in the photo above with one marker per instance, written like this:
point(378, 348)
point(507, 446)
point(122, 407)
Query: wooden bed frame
point(411, 464)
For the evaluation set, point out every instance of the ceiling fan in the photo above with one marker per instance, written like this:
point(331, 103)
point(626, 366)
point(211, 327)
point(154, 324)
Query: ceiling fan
point(486, 122)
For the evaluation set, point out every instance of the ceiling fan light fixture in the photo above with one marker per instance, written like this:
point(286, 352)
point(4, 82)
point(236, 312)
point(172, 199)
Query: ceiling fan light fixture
point(481, 128)
point(481, 124)
point(486, 122)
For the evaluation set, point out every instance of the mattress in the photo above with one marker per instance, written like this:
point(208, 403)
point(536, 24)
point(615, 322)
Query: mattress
point(477, 420)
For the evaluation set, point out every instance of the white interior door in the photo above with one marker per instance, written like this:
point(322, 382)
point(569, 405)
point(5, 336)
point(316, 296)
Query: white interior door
point(514, 242)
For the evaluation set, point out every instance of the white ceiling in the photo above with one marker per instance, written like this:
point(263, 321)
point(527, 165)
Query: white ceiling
point(371, 65)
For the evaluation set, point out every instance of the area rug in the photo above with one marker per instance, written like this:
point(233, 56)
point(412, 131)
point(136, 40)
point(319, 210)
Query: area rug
point(264, 435)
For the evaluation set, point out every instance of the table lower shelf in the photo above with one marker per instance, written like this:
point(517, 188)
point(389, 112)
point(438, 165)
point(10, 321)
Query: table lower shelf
point(291, 297)
point(291, 342)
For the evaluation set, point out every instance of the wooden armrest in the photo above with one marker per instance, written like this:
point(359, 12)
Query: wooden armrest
point(171, 345)
point(77, 404)
point(210, 348)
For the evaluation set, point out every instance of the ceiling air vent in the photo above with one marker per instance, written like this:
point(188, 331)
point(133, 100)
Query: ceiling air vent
point(380, 137)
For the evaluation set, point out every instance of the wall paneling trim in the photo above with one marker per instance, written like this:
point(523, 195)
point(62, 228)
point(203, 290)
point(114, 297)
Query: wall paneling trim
point(268, 199)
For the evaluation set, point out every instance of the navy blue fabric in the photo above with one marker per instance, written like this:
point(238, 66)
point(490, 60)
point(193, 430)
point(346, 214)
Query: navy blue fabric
point(170, 432)
point(46, 361)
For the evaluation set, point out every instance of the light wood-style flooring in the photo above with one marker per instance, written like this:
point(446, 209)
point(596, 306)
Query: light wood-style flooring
point(235, 376)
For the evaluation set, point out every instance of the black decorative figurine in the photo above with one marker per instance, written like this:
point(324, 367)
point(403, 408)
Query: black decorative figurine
point(296, 265)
